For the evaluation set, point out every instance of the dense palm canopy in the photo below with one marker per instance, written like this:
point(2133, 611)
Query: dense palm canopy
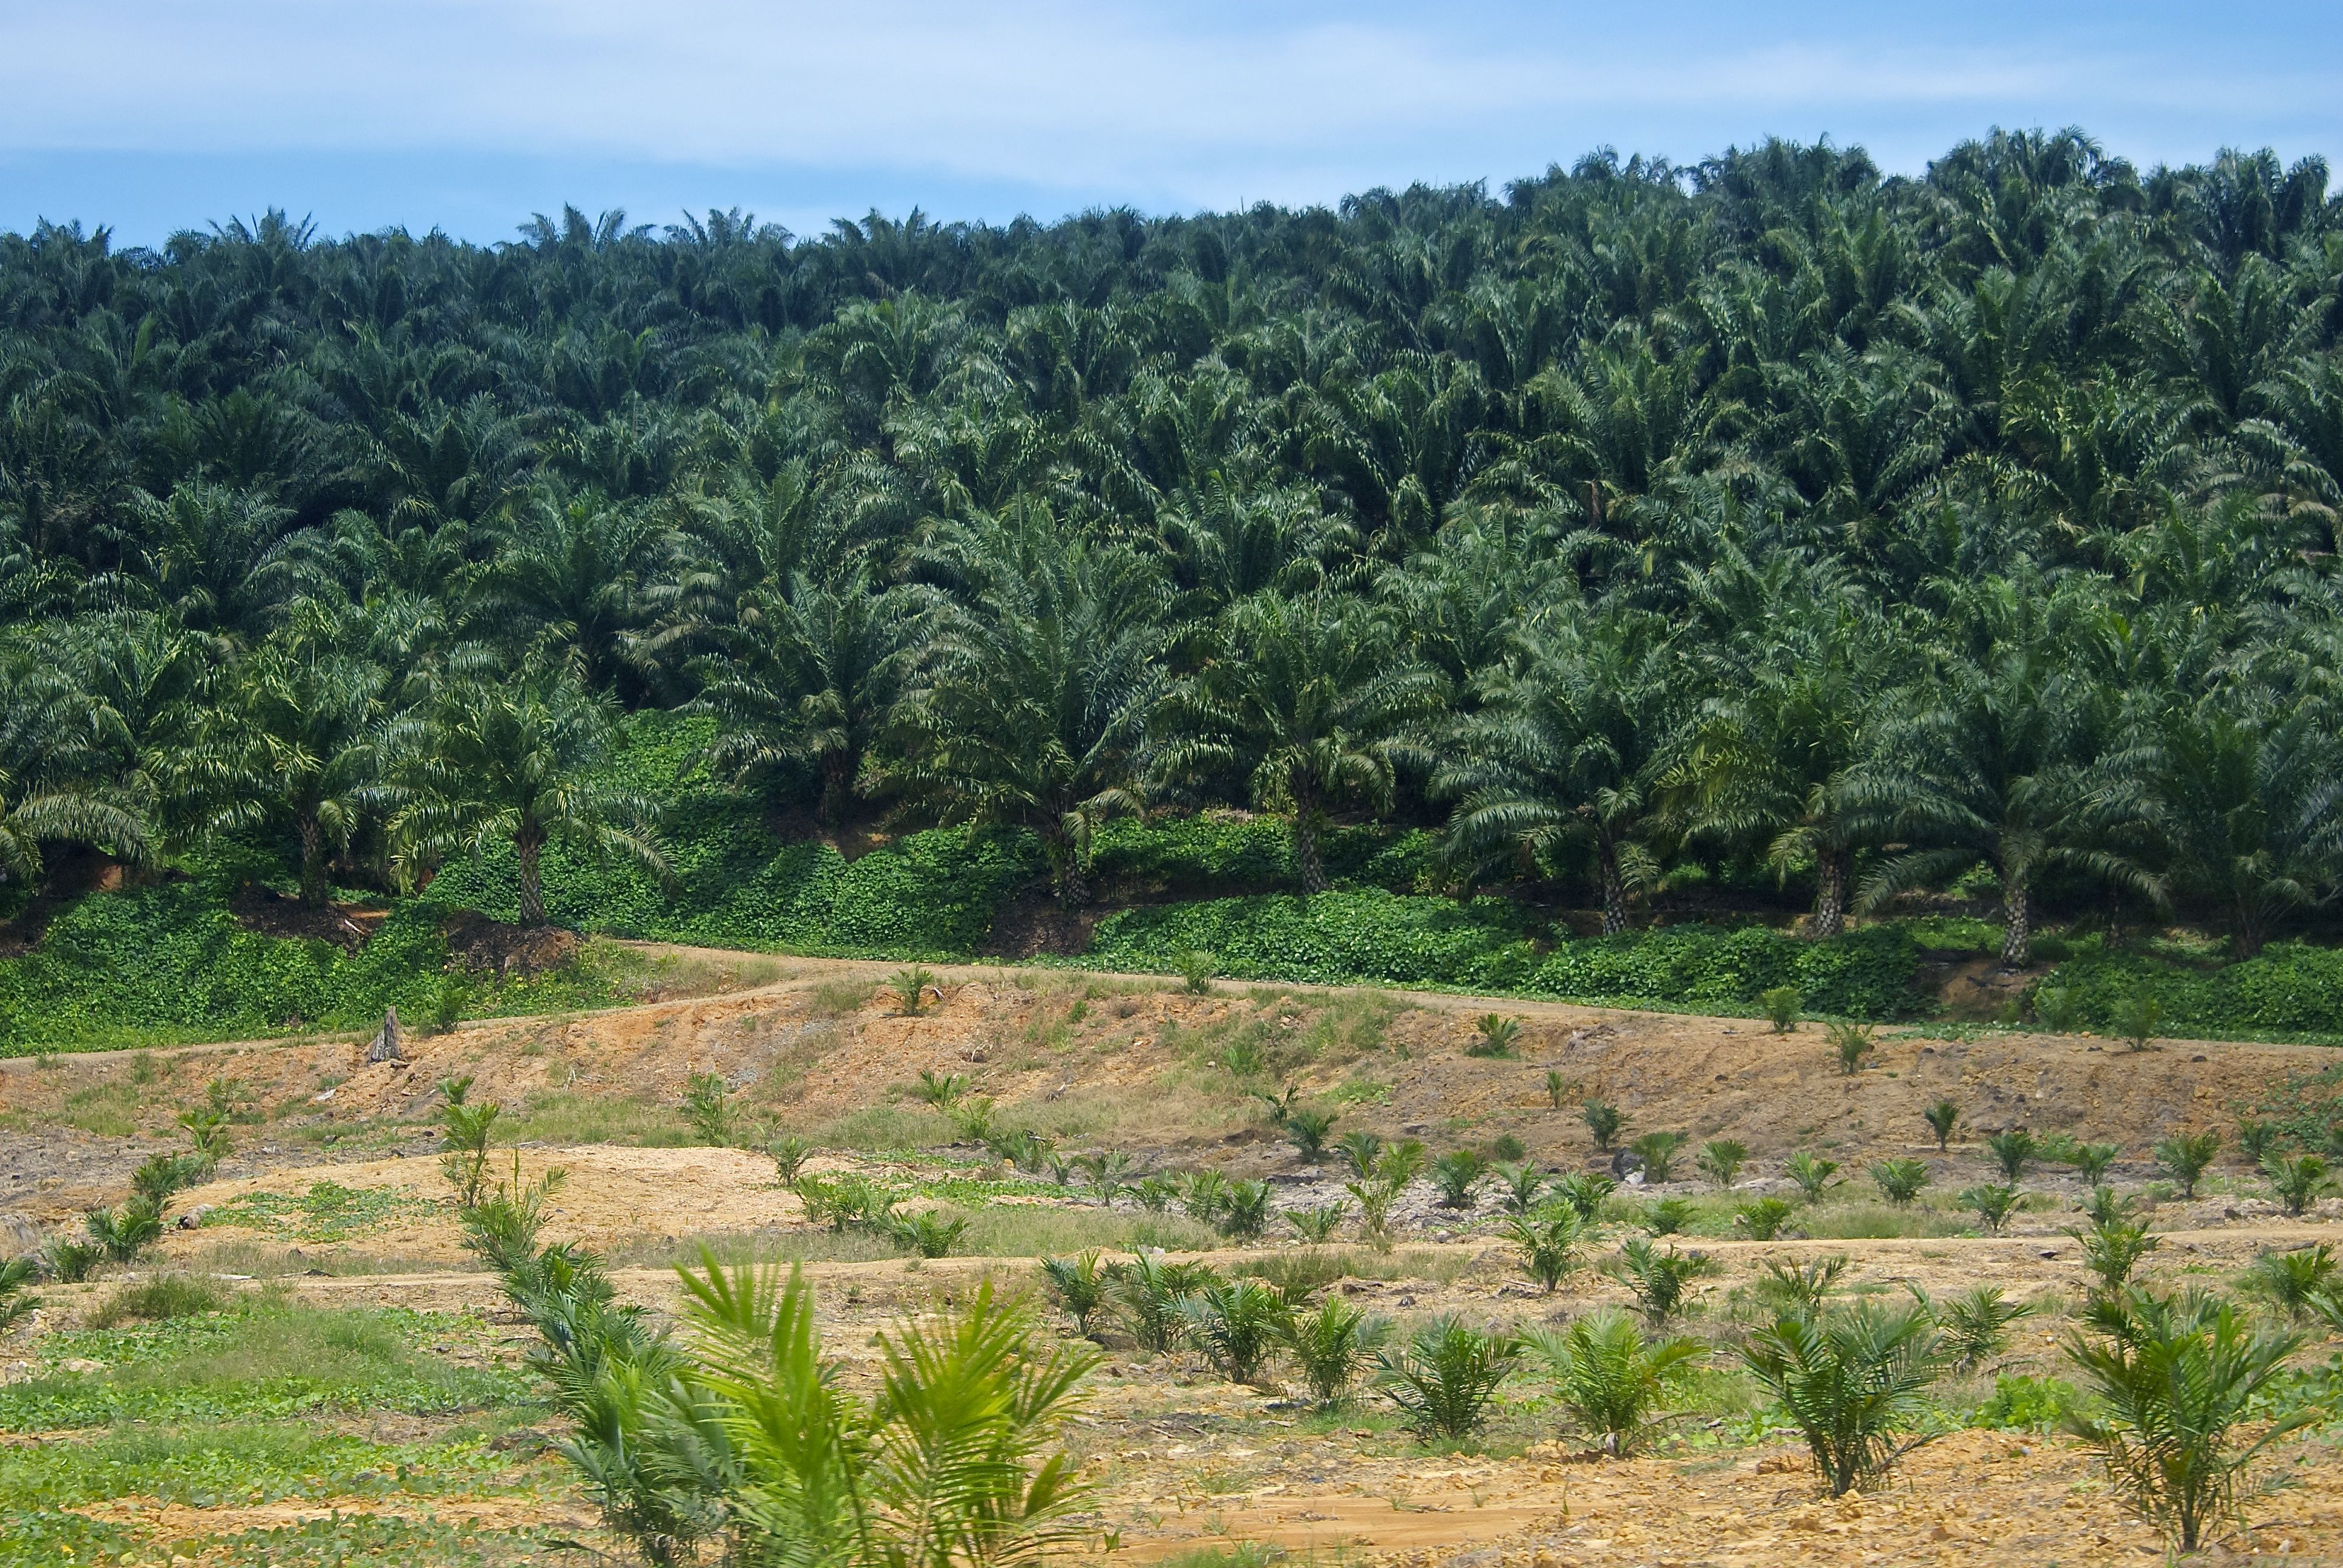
point(1766, 522)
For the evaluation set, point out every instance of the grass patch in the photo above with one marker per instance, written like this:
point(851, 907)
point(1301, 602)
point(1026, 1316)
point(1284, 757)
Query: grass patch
point(265, 1360)
point(565, 1117)
point(242, 1464)
point(327, 1211)
point(159, 1300)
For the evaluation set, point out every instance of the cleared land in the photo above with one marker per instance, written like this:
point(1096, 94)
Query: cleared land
point(360, 1394)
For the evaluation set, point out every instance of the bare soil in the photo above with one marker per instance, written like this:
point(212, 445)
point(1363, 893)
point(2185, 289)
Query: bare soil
point(1183, 1461)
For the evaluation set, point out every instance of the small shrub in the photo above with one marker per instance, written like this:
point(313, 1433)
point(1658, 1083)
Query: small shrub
point(2137, 1018)
point(1851, 1043)
point(1444, 1377)
point(1506, 1146)
point(2112, 1248)
point(789, 1154)
point(910, 986)
point(1360, 1151)
point(1781, 1004)
point(2292, 1282)
point(1332, 1345)
point(708, 1106)
point(1245, 1215)
point(2295, 1178)
point(1523, 1185)
point(2057, 1008)
point(1548, 1244)
point(1196, 969)
point(1657, 1150)
point(1765, 1219)
point(2186, 1156)
point(1147, 1292)
point(2090, 1161)
point(1900, 1180)
point(929, 1233)
point(943, 1092)
point(1941, 1117)
point(1786, 1285)
point(158, 1300)
point(2172, 1382)
point(1666, 1216)
point(70, 1262)
point(1307, 1130)
point(124, 1232)
point(2256, 1139)
point(1852, 1382)
point(1237, 1323)
point(1993, 1202)
point(1080, 1284)
point(1616, 1385)
point(1317, 1225)
point(1976, 1324)
point(2027, 1404)
point(1155, 1193)
point(2012, 1149)
point(1722, 1159)
point(1493, 1034)
point(1603, 1121)
point(972, 1118)
point(1658, 1280)
point(1458, 1175)
point(1812, 1172)
point(1584, 1190)
point(465, 1132)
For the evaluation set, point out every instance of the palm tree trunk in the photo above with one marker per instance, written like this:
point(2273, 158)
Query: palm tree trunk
point(527, 844)
point(2017, 935)
point(1830, 893)
point(313, 863)
point(1614, 889)
point(836, 782)
point(1307, 862)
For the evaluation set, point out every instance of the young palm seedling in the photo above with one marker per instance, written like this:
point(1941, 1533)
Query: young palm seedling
point(1080, 1284)
point(708, 1106)
point(929, 1233)
point(1548, 1241)
point(1853, 1382)
point(1237, 1323)
point(1900, 1180)
point(1493, 1034)
point(1659, 1280)
point(1788, 1286)
point(1666, 1216)
point(1942, 1116)
point(1332, 1345)
point(911, 986)
point(2173, 1381)
point(1306, 1130)
point(1781, 1004)
point(1721, 1159)
point(1203, 1196)
point(1245, 1215)
point(2295, 1178)
point(1556, 1087)
point(1584, 1190)
point(1657, 1150)
point(789, 1154)
point(2013, 1150)
point(1851, 1043)
point(1459, 1175)
point(1993, 1202)
point(941, 1091)
point(1317, 1225)
point(1523, 1185)
point(1975, 1325)
point(1764, 1219)
point(1146, 1292)
point(1360, 1151)
point(2292, 1282)
point(1444, 1377)
point(1812, 1172)
point(1603, 1121)
point(2112, 1247)
point(1616, 1385)
point(2257, 1141)
point(2186, 1156)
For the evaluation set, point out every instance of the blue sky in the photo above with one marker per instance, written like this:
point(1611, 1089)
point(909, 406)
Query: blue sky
point(154, 116)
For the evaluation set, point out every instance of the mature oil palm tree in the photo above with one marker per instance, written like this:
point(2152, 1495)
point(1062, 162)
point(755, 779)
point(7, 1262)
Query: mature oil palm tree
point(1028, 704)
point(1313, 700)
point(513, 763)
point(1564, 752)
point(52, 781)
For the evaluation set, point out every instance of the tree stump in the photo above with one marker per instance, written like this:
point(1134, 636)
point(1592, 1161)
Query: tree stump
point(385, 1042)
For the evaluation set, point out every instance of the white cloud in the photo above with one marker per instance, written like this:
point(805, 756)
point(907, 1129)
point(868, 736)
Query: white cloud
point(1054, 95)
